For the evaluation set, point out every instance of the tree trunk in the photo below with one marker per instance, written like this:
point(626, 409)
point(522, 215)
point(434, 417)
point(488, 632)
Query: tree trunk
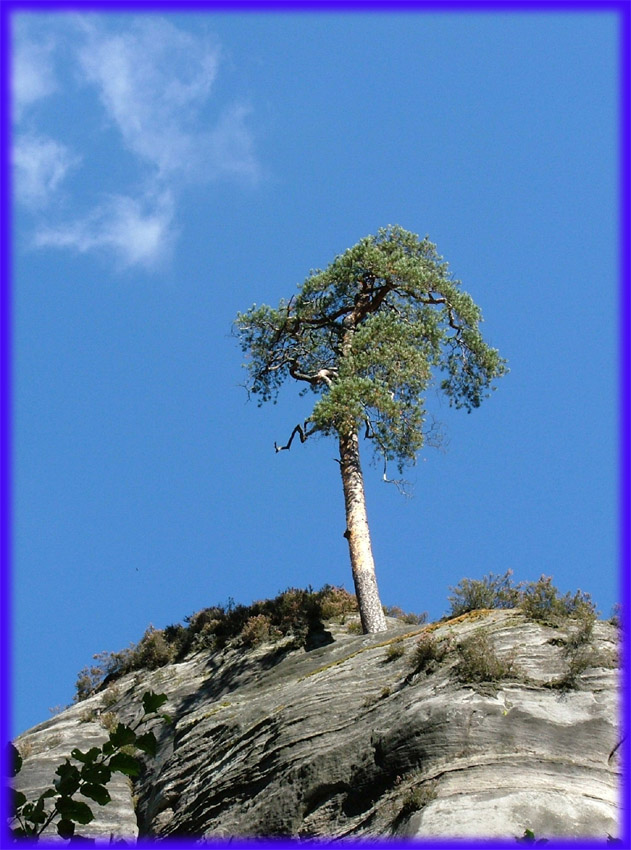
point(358, 536)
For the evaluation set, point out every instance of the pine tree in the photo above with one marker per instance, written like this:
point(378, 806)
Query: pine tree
point(367, 335)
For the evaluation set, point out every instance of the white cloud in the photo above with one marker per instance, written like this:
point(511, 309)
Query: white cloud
point(32, 71)
point(152, 80)
point(230, 148)
point(155, 83)
point(138, 232)
point(40, 166)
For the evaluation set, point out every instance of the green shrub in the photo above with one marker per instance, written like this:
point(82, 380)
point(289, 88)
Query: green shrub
point(428, 653)
point(400, 614)
point(394, 651)
point(417, 798)
point(294, 612)
point(88, 680)
point(580, 658)
point(582, 633)
point(179, 638)
point(478, 661)
point(152, 652)
point(541, 601)
point(490, 592)
point(257, 630)
point(336, 603)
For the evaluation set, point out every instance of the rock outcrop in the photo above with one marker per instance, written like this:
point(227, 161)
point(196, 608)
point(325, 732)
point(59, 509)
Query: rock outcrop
point(367, 735)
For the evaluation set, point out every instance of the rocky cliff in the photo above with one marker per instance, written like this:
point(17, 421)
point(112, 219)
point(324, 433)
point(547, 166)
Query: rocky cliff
point(484, 725)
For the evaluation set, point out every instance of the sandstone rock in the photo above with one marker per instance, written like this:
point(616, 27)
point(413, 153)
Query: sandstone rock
point(345, 739)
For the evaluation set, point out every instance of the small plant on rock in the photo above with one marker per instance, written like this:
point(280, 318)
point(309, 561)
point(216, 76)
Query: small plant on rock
point(417, 798)
point(479, 662)
point(394, 651)
point(428, 653)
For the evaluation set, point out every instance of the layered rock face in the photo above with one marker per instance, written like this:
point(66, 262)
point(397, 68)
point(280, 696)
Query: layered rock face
point(367, 736)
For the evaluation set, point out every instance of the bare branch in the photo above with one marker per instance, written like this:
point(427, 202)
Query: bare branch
point(404, 487)
point(302, 431)
point(435, 437)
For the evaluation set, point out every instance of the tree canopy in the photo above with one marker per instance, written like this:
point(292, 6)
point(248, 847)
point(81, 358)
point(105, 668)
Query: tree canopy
point(368, 335)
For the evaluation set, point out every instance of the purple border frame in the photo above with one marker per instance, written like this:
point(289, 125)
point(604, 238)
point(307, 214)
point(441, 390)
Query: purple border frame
point(623, 8)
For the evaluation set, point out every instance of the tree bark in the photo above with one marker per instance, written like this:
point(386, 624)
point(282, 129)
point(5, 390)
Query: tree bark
point(358, 536)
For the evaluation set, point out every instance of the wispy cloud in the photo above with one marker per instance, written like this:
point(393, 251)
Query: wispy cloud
point(137, 231)
point(40, 164)
point(152, 81)
point(155, 85)
point(33, 76)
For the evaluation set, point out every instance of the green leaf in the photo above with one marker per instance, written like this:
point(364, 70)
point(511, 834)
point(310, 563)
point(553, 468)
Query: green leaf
point(69, 779)
point(75, 810)
point(97, 774)
point(49, 792)
point(151, 701)
point(98, 793)
point(147, 743)
point(122, 736)
point(65, 828)
point(124, 763)
point(15, 760)
point(18, 799)
point(34, 812)
point(86, 758)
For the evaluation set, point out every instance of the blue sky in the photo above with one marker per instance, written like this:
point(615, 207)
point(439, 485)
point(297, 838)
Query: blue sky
point(171, 169)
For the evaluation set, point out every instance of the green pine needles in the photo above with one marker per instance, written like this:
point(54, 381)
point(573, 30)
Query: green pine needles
point(367, 335)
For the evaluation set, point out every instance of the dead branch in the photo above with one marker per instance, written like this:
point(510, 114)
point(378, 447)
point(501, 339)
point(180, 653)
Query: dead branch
point(303, 432)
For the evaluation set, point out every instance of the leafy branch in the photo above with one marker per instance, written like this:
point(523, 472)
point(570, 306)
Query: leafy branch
point(88, 775)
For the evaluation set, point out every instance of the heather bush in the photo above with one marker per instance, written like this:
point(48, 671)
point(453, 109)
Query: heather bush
point(152, 652)
point(294, 612)
point(400, 614)
point(257, 630)
point(539, 600)
point(542, 601)
point(428, 653)
point(478, 661)
point(394, 651)
point(336, 603)
point(492, 591)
